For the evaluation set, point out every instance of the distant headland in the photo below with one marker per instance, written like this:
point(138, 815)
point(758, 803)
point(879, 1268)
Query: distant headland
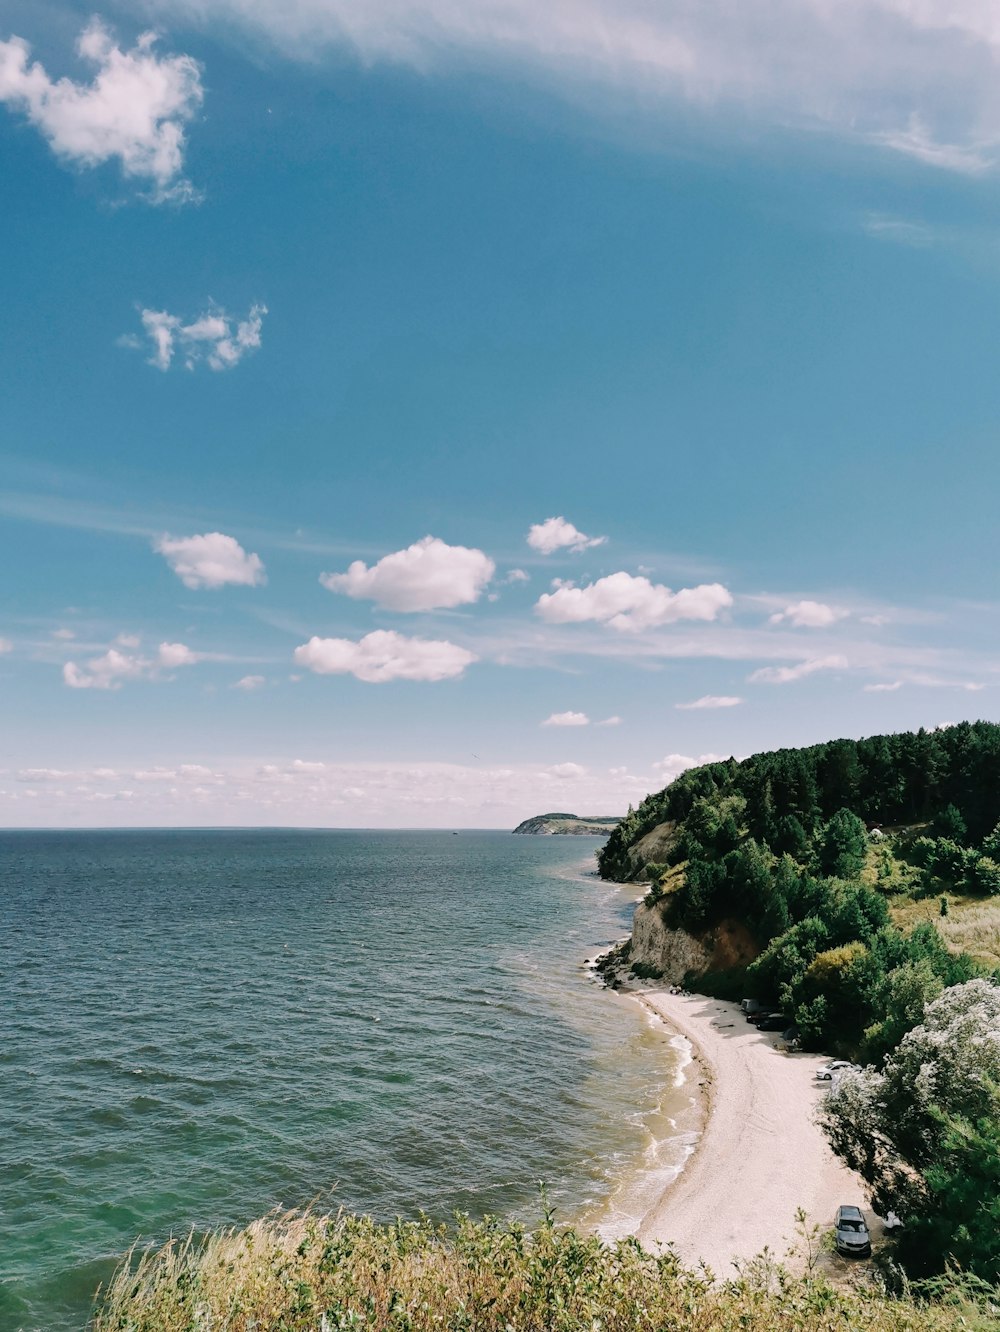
point(549, 824)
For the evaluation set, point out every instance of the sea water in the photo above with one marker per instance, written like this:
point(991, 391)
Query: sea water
point(199, 1026)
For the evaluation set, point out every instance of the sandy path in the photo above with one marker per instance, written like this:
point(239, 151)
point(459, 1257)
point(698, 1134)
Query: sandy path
point(760, 1157)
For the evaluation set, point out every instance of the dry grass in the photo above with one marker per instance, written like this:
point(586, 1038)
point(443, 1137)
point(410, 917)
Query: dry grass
point(308, 1273)
point(971, 926)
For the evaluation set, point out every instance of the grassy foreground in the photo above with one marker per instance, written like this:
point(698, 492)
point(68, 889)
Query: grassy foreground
point(295, 1272)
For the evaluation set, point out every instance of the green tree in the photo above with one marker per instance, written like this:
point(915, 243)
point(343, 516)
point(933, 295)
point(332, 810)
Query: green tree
point(986, 876)
point(901, 996)
point(843, 846)
point(790, 838)
point(928, 1121)
point(991, 844)
point(949, 823)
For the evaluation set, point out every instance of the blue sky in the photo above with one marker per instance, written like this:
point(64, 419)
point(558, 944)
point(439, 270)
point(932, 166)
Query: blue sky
point(289, 290)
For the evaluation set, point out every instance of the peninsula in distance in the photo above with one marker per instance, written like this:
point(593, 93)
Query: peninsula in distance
point(580, 825)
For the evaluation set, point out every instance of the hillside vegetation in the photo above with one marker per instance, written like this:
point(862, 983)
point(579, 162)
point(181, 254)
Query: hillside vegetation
point(841, 860)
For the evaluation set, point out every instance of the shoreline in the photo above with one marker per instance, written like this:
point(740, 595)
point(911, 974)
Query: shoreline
point(758, 1156)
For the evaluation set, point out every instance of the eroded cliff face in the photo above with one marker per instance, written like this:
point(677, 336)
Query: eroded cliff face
point(676, 954)
point(673, 953)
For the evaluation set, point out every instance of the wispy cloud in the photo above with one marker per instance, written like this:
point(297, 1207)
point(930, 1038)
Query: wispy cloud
point(789, 674)
point(249, 683)
point(711, 701)
point(134, 111)
point(913, 77)
point(113, 668)
point(901, 230)
point(214, 338)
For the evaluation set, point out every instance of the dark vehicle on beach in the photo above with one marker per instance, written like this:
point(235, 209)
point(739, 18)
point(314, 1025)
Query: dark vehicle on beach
point(772, 1022)
point(851, 1230)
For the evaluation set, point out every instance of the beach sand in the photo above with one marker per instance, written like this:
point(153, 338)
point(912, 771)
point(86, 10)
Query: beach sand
point(760, 1156)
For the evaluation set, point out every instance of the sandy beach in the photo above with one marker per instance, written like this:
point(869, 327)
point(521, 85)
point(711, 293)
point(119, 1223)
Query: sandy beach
point(760, 1156)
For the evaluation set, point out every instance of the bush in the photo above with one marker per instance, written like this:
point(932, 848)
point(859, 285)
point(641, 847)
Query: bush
point(986, 876)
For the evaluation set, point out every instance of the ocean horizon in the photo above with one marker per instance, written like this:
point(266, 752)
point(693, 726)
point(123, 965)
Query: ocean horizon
point(205, 1024)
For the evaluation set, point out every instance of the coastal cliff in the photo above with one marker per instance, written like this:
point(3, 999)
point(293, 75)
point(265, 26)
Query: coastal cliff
point(548, 825)
point(656, 950)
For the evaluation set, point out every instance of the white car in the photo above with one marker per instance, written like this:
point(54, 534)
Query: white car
point(829, 1071)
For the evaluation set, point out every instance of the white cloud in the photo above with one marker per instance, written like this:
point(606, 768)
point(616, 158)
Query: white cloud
point(883, 688)
point(429, 575)
point(808, 615)
point(517, 576)
point(626, 602)
point(384, 655)
point(789, 674)
point(567, 719)
point(134, 111)
point(672, 765)
point(5, 646)
point(111, 669)
point(63, 633)
point(610, 721)
point(566, 771)
point(172, 655)
point(250, 682)
point(279, 790)
point(105, 672)
point(711, 701)
point(557, 534)
point(917, 77)
point(210, 560)
point(877, 620)
point(216, 338)
point(128, 640)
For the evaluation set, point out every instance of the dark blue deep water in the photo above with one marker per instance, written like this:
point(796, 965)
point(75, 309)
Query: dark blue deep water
point(196, 1027)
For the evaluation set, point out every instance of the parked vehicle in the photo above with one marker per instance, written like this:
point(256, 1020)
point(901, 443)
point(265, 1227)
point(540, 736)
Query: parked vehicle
point(750, 1006)
point(829, 1071)
point(773, 1022)
point(765, 1010)
point(852, 1237)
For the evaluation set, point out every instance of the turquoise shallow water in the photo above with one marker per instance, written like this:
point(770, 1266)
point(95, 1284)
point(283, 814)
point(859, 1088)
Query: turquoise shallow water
point(198, 1026)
